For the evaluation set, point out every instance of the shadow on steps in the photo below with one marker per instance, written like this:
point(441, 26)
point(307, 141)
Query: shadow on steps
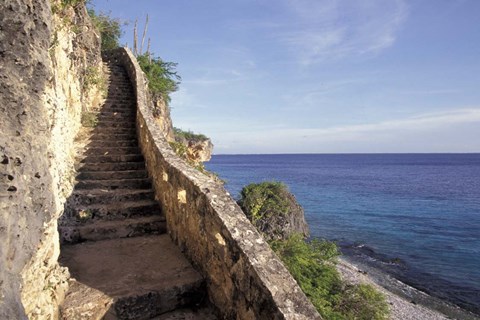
point(123, 265)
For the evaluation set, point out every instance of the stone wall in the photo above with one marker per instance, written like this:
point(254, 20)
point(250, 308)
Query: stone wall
point(43, 57)
point(245, 278)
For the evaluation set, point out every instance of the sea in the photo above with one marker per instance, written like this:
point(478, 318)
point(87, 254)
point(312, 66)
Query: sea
point(413, 216)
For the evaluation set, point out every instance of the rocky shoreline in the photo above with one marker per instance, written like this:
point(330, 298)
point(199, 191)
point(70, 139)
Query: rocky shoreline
point(406, 302)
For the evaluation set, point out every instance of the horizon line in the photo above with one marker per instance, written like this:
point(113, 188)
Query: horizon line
point(340, 153)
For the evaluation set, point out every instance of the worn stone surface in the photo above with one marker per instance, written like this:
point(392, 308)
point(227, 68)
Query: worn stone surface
point(113, 196)
point(187, 314)
point(110, 228)
point(144, 276)
point(40, 99)
point(245, 279)
point(83, 302)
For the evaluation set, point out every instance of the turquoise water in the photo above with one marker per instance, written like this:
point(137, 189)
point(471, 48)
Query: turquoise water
point(415, 216)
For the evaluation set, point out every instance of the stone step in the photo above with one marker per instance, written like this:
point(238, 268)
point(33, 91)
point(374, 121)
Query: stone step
point(114, 184)
point(111, 158)
point(119, 123)
point(107, 130)
point(128, 109)
point(116, 77)
point(109, 175)
point(103, 151)
point(113, 103)
point(143, 276)
point(204, 313)
point(121, 90)
point(117, 114)
point(87, 197)
point(120, 93)
point(121, 100)
point(80, 167)
point(112, 143)
point(113, 211)
point(120, 79)
point(115, 229)
point(95, 136)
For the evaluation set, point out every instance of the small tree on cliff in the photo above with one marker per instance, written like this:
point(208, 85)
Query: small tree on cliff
point(109, 28)
point(162, 76)
point(273, 210)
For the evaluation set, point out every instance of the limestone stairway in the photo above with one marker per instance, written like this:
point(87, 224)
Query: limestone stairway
point(113, 237)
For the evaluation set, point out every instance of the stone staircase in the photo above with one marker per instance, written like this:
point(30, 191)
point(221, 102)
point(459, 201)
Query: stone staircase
point(123, 264)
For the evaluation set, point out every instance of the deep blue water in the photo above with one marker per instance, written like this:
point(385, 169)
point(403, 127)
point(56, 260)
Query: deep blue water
point(416, 215)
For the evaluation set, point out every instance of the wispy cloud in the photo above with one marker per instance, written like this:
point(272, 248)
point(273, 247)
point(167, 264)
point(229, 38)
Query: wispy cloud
point(334, 29)
point(433, 132)
point(214, 77)
point(420, 122)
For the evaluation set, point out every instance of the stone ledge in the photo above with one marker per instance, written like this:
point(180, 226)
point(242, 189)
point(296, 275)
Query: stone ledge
point(245, 278)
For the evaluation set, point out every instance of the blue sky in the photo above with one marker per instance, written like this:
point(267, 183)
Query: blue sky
point(320, 76)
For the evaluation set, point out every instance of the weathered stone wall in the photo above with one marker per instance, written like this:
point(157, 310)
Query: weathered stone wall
point(245, 279)
point(42, 60)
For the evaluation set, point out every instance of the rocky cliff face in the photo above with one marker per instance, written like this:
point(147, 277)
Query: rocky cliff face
point(43, 62)
point(163, 119)
point(197, 150)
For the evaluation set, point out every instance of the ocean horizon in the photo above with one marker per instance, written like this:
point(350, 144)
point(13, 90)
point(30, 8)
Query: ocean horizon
point(415, 216)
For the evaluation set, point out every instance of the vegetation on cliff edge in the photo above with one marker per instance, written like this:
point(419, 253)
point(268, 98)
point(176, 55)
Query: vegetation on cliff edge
point(188, 135)
point(162, 77)
point(273, 210)
point(110, 29)
point(262, 200)
point(312, 264)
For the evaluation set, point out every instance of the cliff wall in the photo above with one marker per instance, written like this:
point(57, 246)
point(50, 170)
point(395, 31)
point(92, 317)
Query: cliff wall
point(44, 58)
point(244, 277)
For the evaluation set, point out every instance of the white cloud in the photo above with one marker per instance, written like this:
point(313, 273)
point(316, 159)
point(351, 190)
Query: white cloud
point(448, 131)
point(334, 29)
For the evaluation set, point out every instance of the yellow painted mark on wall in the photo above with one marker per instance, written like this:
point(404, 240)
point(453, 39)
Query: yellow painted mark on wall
point(220, 239)
point(182, 196)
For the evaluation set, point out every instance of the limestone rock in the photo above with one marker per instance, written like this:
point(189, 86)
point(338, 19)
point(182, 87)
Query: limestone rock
point(163, 119)
point(199, 151)
point(42, 58)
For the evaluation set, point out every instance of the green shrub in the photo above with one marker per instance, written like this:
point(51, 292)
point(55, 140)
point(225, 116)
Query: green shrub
point(109, 28)
point(162, 76)
point(93, 76)
point(89, 119)
point(188, 135)
point(180, 149)
point(312, 264)
point(363, 302)
point(71, 3)
point(264, 199)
